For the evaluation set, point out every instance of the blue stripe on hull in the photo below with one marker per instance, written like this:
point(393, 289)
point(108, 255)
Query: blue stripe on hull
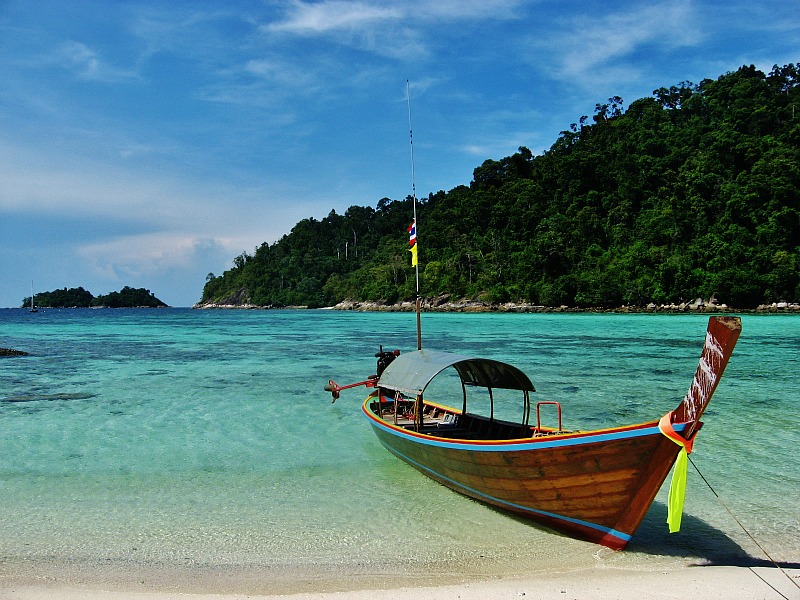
point(539, 444)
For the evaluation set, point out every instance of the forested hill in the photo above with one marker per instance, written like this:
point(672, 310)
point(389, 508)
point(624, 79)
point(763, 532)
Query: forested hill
point(692, 192)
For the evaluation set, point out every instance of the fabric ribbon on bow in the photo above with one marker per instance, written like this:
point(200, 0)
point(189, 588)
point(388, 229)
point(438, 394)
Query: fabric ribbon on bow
point(677, 487)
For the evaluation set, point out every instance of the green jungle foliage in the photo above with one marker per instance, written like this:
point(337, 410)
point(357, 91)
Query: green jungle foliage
point(690, 193)
point(127, 297)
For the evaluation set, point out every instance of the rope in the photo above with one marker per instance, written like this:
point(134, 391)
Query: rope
point(760, 547)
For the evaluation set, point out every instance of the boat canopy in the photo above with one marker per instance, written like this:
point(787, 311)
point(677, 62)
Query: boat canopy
point(411, 373)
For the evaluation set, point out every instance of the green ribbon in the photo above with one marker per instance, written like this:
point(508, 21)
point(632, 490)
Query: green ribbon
point(677, 487)
point(677, 491)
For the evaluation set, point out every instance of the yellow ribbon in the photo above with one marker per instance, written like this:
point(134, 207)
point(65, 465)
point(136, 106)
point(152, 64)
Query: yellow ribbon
point(677, 487)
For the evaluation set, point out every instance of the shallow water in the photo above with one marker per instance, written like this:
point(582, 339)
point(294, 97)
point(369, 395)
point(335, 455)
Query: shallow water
point(148, 444)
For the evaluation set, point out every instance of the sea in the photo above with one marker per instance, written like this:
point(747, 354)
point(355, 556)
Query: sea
point(196, 450)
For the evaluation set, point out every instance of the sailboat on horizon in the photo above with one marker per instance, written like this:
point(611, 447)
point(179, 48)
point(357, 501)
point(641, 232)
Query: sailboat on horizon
point(33, 308)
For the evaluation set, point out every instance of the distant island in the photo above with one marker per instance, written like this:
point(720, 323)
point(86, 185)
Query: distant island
point(127, 297)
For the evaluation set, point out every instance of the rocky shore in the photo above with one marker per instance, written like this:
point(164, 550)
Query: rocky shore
point(444, 303)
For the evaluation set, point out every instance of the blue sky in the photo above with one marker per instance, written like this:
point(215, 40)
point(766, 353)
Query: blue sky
point(149, 143)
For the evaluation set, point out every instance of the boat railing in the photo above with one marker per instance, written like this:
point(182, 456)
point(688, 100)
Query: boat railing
point(539, 414)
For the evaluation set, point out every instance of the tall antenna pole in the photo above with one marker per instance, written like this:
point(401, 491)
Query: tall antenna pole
point(414, 197)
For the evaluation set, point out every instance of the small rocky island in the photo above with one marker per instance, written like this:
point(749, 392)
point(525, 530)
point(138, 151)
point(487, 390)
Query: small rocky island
point(127, 297)
point(12, 352)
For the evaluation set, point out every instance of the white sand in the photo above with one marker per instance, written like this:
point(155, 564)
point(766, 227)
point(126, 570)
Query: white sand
point(604, 583)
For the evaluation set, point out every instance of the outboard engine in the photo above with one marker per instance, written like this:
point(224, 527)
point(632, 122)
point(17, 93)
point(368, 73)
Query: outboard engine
point(384, 360)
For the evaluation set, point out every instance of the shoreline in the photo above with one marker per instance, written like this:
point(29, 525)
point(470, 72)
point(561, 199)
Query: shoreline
point(598, 582)
point(445, 304)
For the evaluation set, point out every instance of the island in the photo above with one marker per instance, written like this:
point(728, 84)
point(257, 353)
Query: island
point(667, 203)
point(127, 297)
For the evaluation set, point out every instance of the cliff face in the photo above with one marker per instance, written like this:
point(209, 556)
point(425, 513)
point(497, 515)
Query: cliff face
point(241, 298)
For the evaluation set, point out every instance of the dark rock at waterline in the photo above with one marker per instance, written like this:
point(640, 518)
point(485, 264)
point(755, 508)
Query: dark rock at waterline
point(12, 352)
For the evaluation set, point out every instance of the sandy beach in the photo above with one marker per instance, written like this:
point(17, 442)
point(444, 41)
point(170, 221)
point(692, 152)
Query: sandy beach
point(707, 582)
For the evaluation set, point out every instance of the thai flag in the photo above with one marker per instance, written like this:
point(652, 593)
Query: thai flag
point(412, 233)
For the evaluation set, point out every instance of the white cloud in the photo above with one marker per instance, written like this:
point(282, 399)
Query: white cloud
point(313, 18)
point(81, 189)
point(146, 255)
point(399, 29)
point(112, 226)
point(284, 73)
point(306, 18)
point(465, 9)
point(88, 64)
point(591, 48)
point(369, 27)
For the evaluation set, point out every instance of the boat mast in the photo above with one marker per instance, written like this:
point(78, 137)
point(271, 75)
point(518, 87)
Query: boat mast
point(414, 197)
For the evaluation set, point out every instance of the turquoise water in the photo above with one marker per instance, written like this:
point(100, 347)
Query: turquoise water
point(197, 448)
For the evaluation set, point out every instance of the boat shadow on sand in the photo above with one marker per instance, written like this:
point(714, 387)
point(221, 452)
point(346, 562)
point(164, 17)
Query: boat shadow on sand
point(697, 539)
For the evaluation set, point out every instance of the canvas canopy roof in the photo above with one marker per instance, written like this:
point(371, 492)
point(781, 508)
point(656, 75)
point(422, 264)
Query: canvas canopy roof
point(411, 373)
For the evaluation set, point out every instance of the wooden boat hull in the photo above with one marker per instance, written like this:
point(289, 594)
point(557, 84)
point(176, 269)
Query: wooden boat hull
point(597, 486)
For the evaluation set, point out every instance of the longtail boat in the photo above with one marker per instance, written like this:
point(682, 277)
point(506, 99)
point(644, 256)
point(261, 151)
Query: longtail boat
point(596, 485)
